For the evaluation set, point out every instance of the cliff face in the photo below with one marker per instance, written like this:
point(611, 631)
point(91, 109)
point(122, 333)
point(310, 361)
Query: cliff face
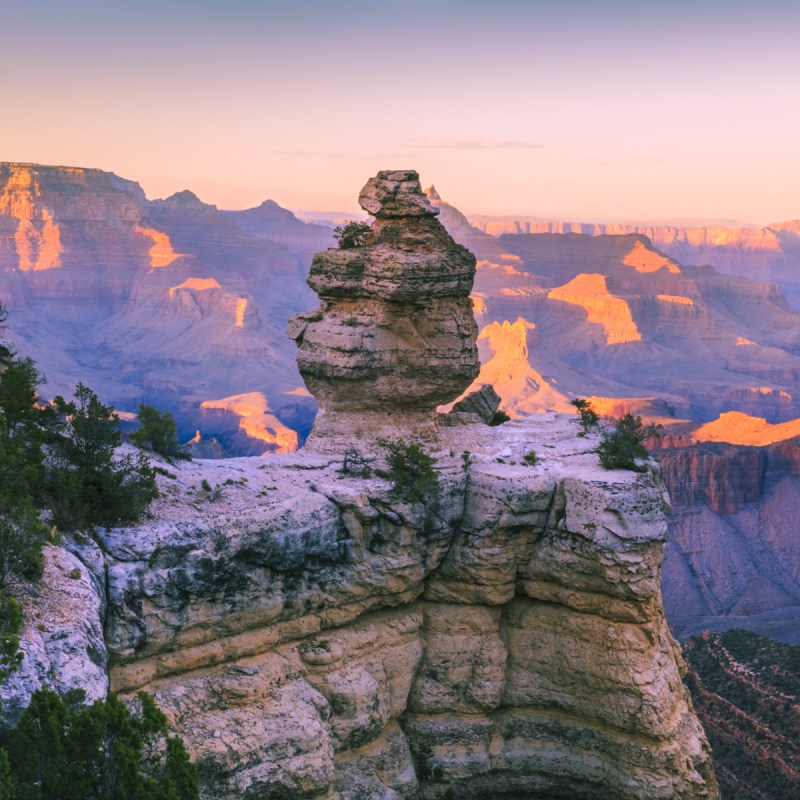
point(613, 317)
point(733, 551)
point(769, 253)
point(168, 302)
point(312, 635)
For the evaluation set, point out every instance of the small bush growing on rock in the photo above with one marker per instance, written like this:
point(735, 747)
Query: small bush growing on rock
point(589, 417)
point(10, 626)
point(530, 458)
point(158, 433)
point(411, 470)
point(351, 234)
point(620, 448)
point(498, 418)
point(355, 464)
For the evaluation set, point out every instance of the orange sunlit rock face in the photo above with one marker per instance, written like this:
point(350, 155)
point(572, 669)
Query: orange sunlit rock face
point(735, 427)
point(590, 292)
point(161, 253)
point(505, 352)
point(257, 422)
point(196, 284)
point(241, 307)
point(646, 259)
point(37, 238)
point(674, 298)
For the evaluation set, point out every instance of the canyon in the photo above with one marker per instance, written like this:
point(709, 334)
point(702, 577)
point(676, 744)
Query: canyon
point(179, 304)
point(313, 633)
point(167, 302)
point(765, 253)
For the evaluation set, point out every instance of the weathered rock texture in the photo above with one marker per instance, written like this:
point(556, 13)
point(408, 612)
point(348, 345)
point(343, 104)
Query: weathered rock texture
point(733, 558)
point(394, 336)
point(62, 637)
point(312, 635)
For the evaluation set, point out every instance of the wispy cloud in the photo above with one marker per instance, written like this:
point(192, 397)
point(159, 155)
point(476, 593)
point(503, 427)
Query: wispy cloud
point(472, 144)
point(311, 153)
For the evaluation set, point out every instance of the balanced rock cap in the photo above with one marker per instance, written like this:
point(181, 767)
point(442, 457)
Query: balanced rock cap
point(395, 194)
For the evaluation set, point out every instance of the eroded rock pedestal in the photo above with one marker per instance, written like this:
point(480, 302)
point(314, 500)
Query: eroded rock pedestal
point(394, 336)
point(312, 635)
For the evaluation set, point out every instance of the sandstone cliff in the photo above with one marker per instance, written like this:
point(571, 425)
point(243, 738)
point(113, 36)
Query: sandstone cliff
point(312, 635)
point(394, 336)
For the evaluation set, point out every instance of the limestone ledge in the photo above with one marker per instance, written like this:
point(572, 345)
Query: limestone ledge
point(312, 636)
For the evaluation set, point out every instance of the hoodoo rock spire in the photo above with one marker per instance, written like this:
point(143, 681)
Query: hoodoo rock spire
point(394, 336)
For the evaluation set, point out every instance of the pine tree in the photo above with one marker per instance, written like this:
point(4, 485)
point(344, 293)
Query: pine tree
point(88, 486)
point(104, 752)
point(157, 433)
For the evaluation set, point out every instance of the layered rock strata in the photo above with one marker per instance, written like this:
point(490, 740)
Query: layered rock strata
point(394, 336)
point(312, 635)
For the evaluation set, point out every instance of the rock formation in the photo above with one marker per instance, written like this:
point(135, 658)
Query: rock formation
point(733, 556)
point(313, 635)
point(168, 302)
point(768, 253)
point(394, 336)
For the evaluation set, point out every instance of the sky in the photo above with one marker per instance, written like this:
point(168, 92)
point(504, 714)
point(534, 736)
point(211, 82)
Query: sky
point(571, 109)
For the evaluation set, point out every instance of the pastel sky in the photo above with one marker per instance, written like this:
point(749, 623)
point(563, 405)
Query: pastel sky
point(575, 109)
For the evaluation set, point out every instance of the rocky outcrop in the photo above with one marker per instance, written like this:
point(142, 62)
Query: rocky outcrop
point(312, 634)
point(394, 337)
point(483, 402)
point(733, 554)
point(62, 636)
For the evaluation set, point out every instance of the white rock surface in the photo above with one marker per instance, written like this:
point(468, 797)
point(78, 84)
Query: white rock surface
point(62, 635)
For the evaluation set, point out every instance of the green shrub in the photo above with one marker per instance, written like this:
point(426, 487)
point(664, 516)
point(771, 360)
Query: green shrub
point(498, 418)
point(351, 234)
point(63, 750)
point(158, 433)
point(589, 417)
point(23, 429)
point(22, 471)
point(411, 470)
point(10, 626)
point(620, 448)
point(86, 484)
point(530, 458)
